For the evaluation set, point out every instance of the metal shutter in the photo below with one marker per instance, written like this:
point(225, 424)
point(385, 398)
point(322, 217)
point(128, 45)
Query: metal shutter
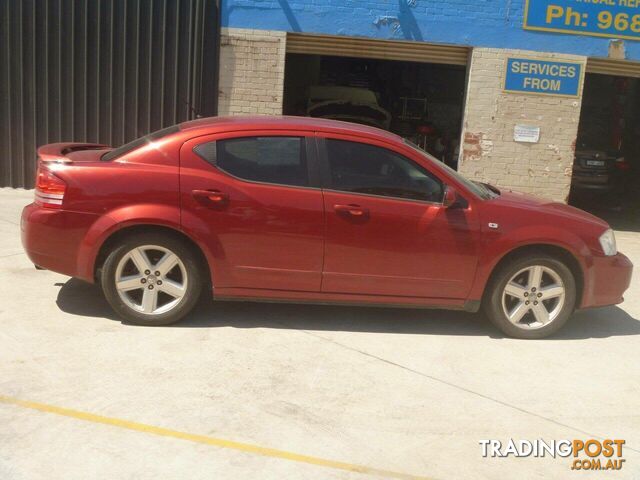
point(100, 71)
point(380, 49)
point(621, 68)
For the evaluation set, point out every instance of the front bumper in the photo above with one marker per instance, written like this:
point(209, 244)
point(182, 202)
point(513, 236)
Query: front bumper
point(606, 281)
point(52, 238)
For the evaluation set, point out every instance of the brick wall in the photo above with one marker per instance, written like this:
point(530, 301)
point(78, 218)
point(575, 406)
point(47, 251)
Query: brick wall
point(251, 71)
point(489, 152)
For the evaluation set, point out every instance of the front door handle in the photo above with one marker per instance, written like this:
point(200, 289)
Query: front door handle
point(211, 198)
point(352, 210)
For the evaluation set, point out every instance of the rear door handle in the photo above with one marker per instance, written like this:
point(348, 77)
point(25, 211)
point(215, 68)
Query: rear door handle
point(211, 198)
point(352, 210)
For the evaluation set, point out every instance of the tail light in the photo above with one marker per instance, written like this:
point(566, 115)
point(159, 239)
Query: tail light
point(49, 189)
point(622, 164)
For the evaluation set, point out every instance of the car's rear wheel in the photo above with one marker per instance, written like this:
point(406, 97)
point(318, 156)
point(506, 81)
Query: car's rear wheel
point(531, 297)
point(151, 279)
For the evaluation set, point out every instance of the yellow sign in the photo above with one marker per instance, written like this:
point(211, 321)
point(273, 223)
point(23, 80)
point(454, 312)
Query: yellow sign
point(599, 18)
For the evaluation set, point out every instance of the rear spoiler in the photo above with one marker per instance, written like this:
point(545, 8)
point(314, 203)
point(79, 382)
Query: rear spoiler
point(57, 152)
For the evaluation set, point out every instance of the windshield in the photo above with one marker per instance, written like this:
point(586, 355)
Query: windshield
point(482, 190)
point(129, 147)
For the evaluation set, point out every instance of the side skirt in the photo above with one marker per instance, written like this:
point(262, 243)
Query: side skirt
point(320, 298)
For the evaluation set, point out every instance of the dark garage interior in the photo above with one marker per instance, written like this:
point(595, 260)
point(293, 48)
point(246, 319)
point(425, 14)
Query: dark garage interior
point(607, 165)
point(422, 102)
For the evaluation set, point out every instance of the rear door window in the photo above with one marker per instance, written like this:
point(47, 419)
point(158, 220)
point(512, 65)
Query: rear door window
point(277, 160)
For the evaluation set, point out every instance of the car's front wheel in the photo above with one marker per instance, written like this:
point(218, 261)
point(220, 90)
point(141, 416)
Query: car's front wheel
point(531, 297)
point(151, 279)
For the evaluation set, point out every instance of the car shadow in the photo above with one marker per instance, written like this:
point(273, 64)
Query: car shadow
point(83, 299)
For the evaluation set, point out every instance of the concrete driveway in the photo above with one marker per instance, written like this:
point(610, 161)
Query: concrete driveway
point(243, 390)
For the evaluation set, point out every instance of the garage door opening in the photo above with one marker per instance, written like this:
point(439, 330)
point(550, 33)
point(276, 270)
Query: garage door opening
point(422, 102)
point(607, 161)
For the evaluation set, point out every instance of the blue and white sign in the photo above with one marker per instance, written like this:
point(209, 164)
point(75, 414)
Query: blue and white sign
point(524, 75)
point(600, 18)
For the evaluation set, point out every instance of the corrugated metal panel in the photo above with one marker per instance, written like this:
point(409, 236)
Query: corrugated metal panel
point(380, 49)
point(620, 68)
point(105, 71)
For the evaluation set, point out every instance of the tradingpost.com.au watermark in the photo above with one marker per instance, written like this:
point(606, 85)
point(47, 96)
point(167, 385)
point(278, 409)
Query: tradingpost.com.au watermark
point(588, 454)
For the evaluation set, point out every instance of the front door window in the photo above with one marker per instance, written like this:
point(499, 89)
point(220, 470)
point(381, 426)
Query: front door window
point(368, 169)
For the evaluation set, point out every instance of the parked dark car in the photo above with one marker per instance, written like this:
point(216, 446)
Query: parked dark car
point(598, 170)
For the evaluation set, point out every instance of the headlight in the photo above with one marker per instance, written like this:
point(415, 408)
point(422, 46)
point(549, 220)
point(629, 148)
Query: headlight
point(608, 243)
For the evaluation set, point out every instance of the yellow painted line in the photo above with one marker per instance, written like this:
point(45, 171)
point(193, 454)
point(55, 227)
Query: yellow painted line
point(213, 441)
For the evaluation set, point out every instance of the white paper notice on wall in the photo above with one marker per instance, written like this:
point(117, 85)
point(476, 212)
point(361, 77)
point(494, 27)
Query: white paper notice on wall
point(526, 133)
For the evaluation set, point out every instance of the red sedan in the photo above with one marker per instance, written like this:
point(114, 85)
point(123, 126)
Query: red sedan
point(308, 210)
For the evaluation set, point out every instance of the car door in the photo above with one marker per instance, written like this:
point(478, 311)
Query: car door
point(251, 200)
point(387, 232)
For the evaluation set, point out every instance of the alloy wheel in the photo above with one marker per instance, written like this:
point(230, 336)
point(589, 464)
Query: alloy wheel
point(533, 297)
point(151, 279)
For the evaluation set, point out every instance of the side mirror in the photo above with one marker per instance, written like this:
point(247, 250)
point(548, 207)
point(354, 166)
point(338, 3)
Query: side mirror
point(451, 198)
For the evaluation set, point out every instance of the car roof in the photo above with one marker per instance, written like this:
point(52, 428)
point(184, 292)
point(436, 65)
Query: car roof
point(259, 122)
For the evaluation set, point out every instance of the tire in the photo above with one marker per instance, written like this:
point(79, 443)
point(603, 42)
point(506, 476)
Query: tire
point(174, 279)
point(555, 293)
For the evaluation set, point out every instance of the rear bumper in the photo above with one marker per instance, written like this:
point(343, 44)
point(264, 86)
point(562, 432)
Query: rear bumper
point(591, 187)
point(594, 180)
point(53, 238)
point(606, 281)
